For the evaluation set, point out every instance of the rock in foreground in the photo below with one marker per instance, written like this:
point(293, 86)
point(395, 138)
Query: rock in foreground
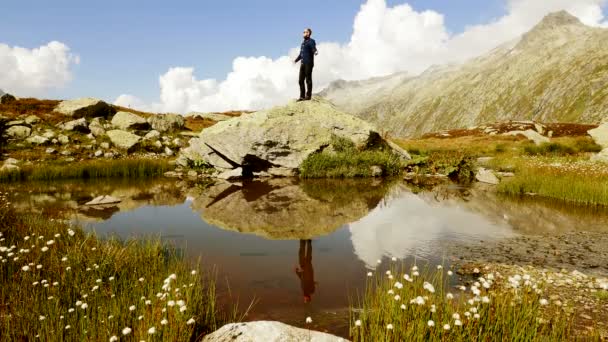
point(267, 331)
point(278, 140)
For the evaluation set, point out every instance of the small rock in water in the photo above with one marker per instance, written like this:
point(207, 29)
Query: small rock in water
point(486, 176)
point(103, 200)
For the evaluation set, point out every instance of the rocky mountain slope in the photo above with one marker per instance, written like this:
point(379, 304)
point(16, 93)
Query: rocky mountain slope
point(557, 72)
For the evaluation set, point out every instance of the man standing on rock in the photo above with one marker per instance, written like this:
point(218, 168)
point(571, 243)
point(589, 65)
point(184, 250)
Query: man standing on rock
point(308, 50)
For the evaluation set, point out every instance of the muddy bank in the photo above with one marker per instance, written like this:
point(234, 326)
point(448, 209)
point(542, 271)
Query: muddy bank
point(583, 251)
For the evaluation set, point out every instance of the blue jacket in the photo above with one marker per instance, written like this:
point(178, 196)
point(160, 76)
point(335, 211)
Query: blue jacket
point(307, 52)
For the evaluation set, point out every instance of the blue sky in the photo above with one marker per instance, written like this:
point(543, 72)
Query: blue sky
point(125, 45)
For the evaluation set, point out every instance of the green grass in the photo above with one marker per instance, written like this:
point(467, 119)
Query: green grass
point(345, 161)
point(121, 168)
point(132, 284)
point(602, 295)
point(583, 183)
point(504, 314)
point(564, 148)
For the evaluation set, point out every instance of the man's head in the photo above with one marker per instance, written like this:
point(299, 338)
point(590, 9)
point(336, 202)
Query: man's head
point(307, 33)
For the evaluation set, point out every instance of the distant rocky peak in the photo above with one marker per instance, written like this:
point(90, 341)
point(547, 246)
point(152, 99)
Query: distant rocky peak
point(558, 19)
point(555, 27)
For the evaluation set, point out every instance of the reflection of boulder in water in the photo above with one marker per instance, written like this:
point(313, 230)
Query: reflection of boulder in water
point(286, 209)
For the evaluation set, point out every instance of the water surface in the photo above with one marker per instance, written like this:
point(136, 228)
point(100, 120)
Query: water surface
point(302, 248)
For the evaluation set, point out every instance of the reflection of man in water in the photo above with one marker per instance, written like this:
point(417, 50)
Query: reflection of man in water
point(305, 271)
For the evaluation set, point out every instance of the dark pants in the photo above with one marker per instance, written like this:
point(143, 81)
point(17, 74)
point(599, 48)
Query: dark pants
point(306, 75)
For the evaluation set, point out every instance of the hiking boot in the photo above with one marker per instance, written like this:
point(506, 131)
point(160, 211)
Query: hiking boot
point(300, 99)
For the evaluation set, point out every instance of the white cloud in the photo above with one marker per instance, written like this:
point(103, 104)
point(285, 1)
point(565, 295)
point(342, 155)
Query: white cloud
point(410, 226)
point(385, 40)
point(28, 72)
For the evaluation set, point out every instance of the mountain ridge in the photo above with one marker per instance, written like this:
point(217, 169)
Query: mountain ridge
point(556, 72)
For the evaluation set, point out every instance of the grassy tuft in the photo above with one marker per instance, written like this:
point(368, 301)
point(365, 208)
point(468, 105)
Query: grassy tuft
point(395, 309)
point(580, 182)
point(121, 168)
point(346, 161)
point(58, 283)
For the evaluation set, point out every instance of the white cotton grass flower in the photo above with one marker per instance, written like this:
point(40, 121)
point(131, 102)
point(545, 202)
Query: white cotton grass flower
point(182, 308)
point(50, 242)
point(433, 308)
point(449, 296)
point(398, 285)
point(70, 310)
point(71, 232)
point(388, 272)
point(391, 292)
point(485, 299)
point(414, 268)
point(418, 300)
point(369, 274)
point(403, 307)
point(543, 301)
point(126, 331)
point(64, 259)
point(84, 306)
point(389, 327)
point(456, 315)
point(458, 323)
point(407, 278)
point(111, 278)
point(152, 331)
point(308, 320)
point(25, 268)
point(394, 259)
point(113, 339)
point(68, 327)
point(430, 323)
point(397, 298)
point(139, 318)
point(141, 279)
point(171, 303)
point(193, 272)
point(190, 321)
point(476, 270)
point(429, 287)
point(164, 321)
point(44, 249)
point(439, 267)
point(148, 302)
point(132, 308)
point(476, 316)
point(415, 274)
point(68, 268)
point(41, 318)
point(358, 323)
point(38, 267)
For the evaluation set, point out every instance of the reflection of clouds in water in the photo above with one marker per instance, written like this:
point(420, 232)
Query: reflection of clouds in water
point(410, 226)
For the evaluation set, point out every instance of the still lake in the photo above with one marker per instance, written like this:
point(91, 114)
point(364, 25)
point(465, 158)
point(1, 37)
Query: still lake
point(301, 248)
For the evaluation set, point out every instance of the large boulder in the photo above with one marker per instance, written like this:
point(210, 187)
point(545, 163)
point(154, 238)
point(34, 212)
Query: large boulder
point(78, 125)
point(123, 139)
point(96, 127)
point(84, 107)
point(600, 136)
point(277, 140)
point(126, 120)
point(18, 132)
point(267, 331)
point(7, 98)
point(166, 122)
point(530, 134)
point(37, 140)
